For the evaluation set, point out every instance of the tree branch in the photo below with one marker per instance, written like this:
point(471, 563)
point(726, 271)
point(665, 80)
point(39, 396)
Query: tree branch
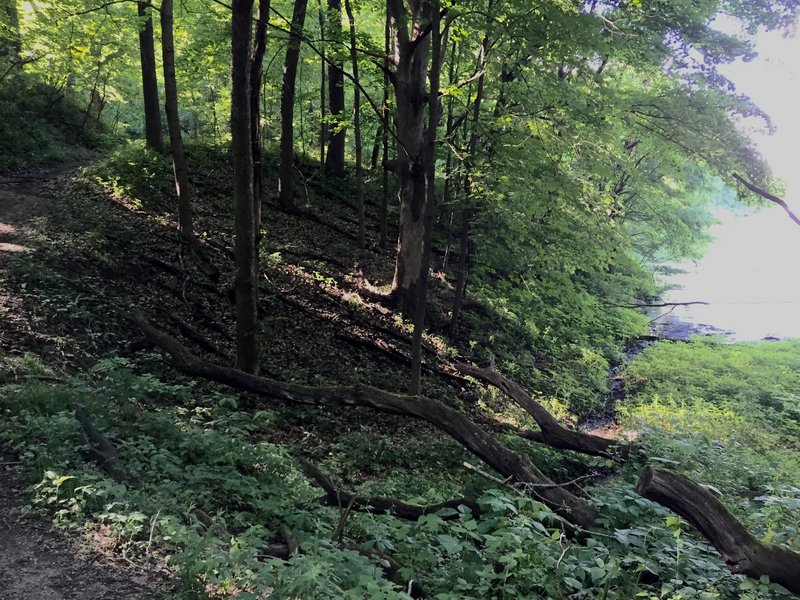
point(766, 195)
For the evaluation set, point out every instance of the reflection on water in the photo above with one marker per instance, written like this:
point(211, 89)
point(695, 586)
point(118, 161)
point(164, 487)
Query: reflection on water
point(749, 276)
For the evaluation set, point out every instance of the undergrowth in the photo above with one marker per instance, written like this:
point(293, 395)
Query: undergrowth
point(204, 492)
point(40, 124)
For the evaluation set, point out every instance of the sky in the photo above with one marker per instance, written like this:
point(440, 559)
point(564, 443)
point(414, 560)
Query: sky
point(749, 274)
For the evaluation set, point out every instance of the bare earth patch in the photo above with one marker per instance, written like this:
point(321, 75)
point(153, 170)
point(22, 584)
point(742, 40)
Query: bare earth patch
point(36, 561)
point(39, 563)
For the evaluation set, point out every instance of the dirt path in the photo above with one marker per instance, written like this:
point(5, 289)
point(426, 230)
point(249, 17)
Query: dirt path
point(37, 562)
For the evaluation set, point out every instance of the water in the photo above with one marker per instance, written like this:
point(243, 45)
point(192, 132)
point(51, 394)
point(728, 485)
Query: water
point(750, 277)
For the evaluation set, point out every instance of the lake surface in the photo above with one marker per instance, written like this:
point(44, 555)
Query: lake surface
point(750, 276)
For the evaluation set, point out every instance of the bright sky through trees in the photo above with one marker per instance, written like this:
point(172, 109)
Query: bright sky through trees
point(749, 274)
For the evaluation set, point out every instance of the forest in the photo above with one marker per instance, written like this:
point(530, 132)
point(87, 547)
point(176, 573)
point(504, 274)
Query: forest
point(355, 299)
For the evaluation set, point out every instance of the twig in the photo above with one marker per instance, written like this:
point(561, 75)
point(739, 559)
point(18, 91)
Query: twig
point(152, 530)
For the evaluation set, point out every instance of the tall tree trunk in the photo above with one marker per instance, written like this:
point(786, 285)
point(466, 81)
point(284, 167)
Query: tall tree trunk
point(182, 185)
point(334, 161)
point(357, 125)
point(448, 196)
point(245, 282)
point(286, 174)
point(412, 46)
point(256, 75)
point(468, 209)
point(152, 107)
point(323, 109)
point(434, 116)
point(384, 210)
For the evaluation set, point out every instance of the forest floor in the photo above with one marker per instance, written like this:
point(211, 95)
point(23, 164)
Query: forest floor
point(80, 254)
point(38, 562)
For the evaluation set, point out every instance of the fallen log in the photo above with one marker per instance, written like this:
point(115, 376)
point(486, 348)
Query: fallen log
point(741, 551)
point(551, 431)
point(457, 425)
point(402, 510)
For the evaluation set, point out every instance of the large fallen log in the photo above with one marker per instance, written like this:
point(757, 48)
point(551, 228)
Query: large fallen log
point(458, 426)
point(551, 431)
point(741, 551)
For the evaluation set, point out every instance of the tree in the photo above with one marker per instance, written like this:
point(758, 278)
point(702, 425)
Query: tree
point(357, 125)
point(256, 74)
point(246, 282)
point(429, 162)
point(411, 24)
point(147, 53)
point(181, 171)
point(286, 176)
point(334, 159)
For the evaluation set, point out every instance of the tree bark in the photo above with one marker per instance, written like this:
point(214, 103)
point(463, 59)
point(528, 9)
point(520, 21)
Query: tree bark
point(180, 170)
point(256, 75)
point(483, 445)
point(323, 81)
point(286, 174)
point(552, 432)
point(334, 161)
point(147, 54)
point(412, 47)
point(742, 552)
point(357, 126)
point(434, 116)
point(245, 280)
point(384, 208)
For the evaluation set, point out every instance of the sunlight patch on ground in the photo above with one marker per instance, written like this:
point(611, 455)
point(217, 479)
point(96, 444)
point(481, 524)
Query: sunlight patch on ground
point(7, 247)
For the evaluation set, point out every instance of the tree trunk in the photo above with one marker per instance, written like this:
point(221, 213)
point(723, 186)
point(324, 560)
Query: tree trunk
point(384, 209)
point(742, 552)
point(357, 126)
point(286, 175)
point(256, 75)
point(434, 116)
point(245, 281)
point(147, 53)
point(509, 464)
point(334, 161)
point(323, 109)
point(181, 172)
point(412, 46)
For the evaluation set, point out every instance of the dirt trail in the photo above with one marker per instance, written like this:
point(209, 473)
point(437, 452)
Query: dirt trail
point(36, 561)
